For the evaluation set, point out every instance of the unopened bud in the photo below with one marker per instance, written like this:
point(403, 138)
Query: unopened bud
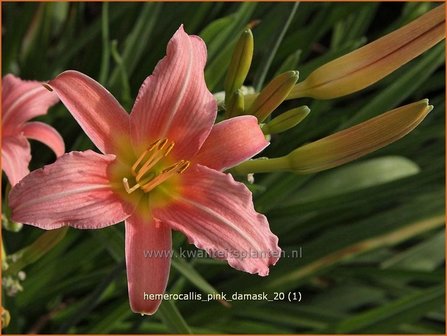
point(369, 64)
point(273, 95)
point(359, 140)
point(240, 64)
point(286, 120)
point(346, 145)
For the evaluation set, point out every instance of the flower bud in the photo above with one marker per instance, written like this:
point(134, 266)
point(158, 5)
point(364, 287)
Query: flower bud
point(240, 64)
point(286, 120)
point(359, 140)
point(367, 65)
point(273, 95)
point(344, 146)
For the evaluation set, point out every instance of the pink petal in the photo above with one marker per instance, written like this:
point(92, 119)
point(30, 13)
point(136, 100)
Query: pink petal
point(174, 101)
point(100, 115)
point(73, 191)
point(147, 274)
point(216, 213)
point(23, 100)
point(46, 134)
point(16, 155)
point(230, 142)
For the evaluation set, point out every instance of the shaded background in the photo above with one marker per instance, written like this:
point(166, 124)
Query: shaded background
point(371, 233)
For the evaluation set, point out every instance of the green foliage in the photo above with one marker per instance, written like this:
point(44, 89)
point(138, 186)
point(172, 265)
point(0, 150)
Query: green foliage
point(371, 234)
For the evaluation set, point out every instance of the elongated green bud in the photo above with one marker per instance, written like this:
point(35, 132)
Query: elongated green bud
point(236, 105)
point(273, 95)
point(240, 64)
point(346, 145)
point(286, 120)
point(359, 140)
point(367, 65)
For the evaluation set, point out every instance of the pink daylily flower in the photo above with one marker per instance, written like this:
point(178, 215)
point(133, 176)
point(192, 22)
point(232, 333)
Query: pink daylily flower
point(21, 101)
point(161, 169)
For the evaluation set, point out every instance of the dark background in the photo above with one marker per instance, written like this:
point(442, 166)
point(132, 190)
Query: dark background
point(362, 269)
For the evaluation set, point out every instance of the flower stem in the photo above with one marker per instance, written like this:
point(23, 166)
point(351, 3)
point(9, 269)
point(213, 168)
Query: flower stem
point(262, 165)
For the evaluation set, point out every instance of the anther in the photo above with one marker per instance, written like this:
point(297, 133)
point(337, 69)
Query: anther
point(147, 160)
point(142, 156)
point(156, 153)
point(176, 168)
point(184, 167)
point(153, 145)
point(169, 149)
point(162, 143)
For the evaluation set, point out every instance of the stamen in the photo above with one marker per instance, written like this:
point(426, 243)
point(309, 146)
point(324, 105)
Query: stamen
point(135, 165)
point(176, 168)
point(169, 149)
point(156, 154)
point(172, 167)
point(151, 162)
point(162, 144)
point(149, 149)
point(184, 167)
point(151, 156)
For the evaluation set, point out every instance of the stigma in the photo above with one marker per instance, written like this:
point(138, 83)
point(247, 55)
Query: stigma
point(142, 170)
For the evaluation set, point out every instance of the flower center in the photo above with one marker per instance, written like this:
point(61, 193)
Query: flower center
point(146, 177)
